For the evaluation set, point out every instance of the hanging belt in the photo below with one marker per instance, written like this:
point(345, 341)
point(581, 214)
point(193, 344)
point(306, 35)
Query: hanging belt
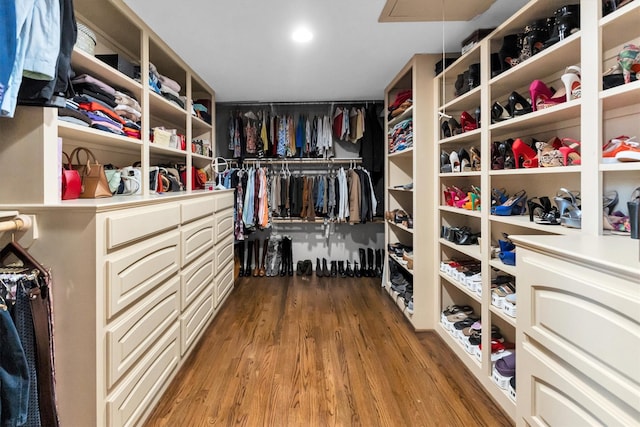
point(46, 393)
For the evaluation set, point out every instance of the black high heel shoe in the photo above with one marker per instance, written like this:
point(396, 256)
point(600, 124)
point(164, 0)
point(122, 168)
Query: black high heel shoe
point(497, 159)
point(474, 75)
point(518, 105)
point(445, 163)
point(455, 127)
point(543, 213)
point(446, 130)
point(533, 41)
point(499, 113)
point(504, 148)
point(477, 115)
point(465, 160)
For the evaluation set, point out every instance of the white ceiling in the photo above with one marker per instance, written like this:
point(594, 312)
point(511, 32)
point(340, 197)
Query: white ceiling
point(243, 48)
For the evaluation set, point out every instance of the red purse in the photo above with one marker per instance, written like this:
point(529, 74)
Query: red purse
point(71, 181)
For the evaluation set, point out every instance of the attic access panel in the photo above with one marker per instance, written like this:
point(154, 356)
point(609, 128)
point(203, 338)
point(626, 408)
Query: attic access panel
point(431, 10)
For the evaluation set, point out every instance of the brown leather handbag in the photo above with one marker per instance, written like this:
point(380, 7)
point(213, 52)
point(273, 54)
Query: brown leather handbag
point(94, 179)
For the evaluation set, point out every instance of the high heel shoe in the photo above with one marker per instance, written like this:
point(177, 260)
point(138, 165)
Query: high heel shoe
point(499, 113)
point(508, 51)
point(445, 164)
point(523, 151)
point(477, 116)
point(497, 159)
point(455, 161)
point(465, 160)
point(455, 127)
point(543, 97)
point(446, 130)
point(549, 154)
point(572, 82)
point(475, 159)
point(566, 22)
point(542, 213)
point(568, 208)
point(570, 153)
point(507, 154)
point(474, 75)
point(467, 122)
point(629, 61)
point(518, 106)
point(514, 205)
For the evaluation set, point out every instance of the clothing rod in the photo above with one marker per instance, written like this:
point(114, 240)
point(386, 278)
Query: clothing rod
point(19, 223)
point(275, 104)
point(298, 160)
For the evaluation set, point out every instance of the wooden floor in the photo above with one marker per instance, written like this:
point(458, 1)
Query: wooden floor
point(300, 351)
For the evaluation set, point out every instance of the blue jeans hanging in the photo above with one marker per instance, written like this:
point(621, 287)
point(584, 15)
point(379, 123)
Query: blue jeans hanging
point(14, 375)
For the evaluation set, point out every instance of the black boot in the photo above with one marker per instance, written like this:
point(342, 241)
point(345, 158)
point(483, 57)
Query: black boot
point(372, 261)
point(474, 75)
point(566, 22)
point(363, 262)
point(341, 269)
point(334, 269)
point(356, 270)
point(247, 268)
point(240, 251)
point(509, 50)
point(325, 269)
point(256, 257)
point(318, 268)
point(348, 271)
point(379, 256)
point(283, 256)
point(290, 259)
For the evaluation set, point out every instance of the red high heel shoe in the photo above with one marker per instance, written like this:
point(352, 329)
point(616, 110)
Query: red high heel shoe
point(521, 150)
point(543, 97)
point(467, 122)
point(570, 152)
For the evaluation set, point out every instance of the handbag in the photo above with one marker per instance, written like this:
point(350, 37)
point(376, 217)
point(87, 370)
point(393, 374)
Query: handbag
point(132, 180)
point(113, 177)
point(94, 180)
point(71, 181)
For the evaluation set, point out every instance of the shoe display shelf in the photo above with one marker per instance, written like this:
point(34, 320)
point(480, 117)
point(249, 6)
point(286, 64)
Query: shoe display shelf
point(594, 118)
point(410, 165)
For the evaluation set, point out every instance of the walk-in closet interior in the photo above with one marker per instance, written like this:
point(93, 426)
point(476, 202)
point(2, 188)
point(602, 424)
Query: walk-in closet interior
point(406, 214)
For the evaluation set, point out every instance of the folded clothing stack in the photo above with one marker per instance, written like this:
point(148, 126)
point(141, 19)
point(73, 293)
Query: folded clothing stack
point(401, 103)
point(401, 136)
point(166, 87)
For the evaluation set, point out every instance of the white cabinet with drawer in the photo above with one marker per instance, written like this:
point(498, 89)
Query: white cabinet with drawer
point(579, 330)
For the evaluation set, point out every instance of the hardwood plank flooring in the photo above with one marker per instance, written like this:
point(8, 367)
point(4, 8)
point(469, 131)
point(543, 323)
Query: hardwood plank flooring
point(307, 351)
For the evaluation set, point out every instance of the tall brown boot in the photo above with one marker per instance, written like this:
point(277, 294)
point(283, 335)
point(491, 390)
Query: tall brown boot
point(256, 256)
point(265, 246)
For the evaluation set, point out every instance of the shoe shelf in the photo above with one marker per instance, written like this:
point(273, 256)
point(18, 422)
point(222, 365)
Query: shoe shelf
point(405, 115)
point(461, 211)
point(399, 301)
point(615, 26)
point(540, 66)
point(400, 190)
point(83, 63)
point(402, 263)
point(620, 167)
point(470, 360)
point(401, 227)
point(621, 96)
point(407, 152)
point(548, 116)
point(460, 65)
point(537, 171)
point(471, 136)
point(459, 174)
point(523, 221)
point(501, 314)
point(499, 265)
point(467, 101)
point(469, 250)
point(460, 286)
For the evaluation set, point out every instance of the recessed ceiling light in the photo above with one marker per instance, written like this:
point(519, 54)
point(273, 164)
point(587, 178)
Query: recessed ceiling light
point(302, 35)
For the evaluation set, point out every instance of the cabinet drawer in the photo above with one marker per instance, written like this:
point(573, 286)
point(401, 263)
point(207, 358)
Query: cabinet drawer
point(196, 277)
point(224, 224)
point(195, 318)
point(131, 336)
point(196, 239)
point(194, 209)
point(224, 255)
point(586, 318)
point(143, 386)
point(137, 270)
point(133, 224)
point(559, 397)
point(224, 283)
point(224, 201)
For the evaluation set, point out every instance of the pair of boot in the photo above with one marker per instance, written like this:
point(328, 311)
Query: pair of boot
point(370, 263)
point(286, 265)
point(304, 268)
point(253, 253)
